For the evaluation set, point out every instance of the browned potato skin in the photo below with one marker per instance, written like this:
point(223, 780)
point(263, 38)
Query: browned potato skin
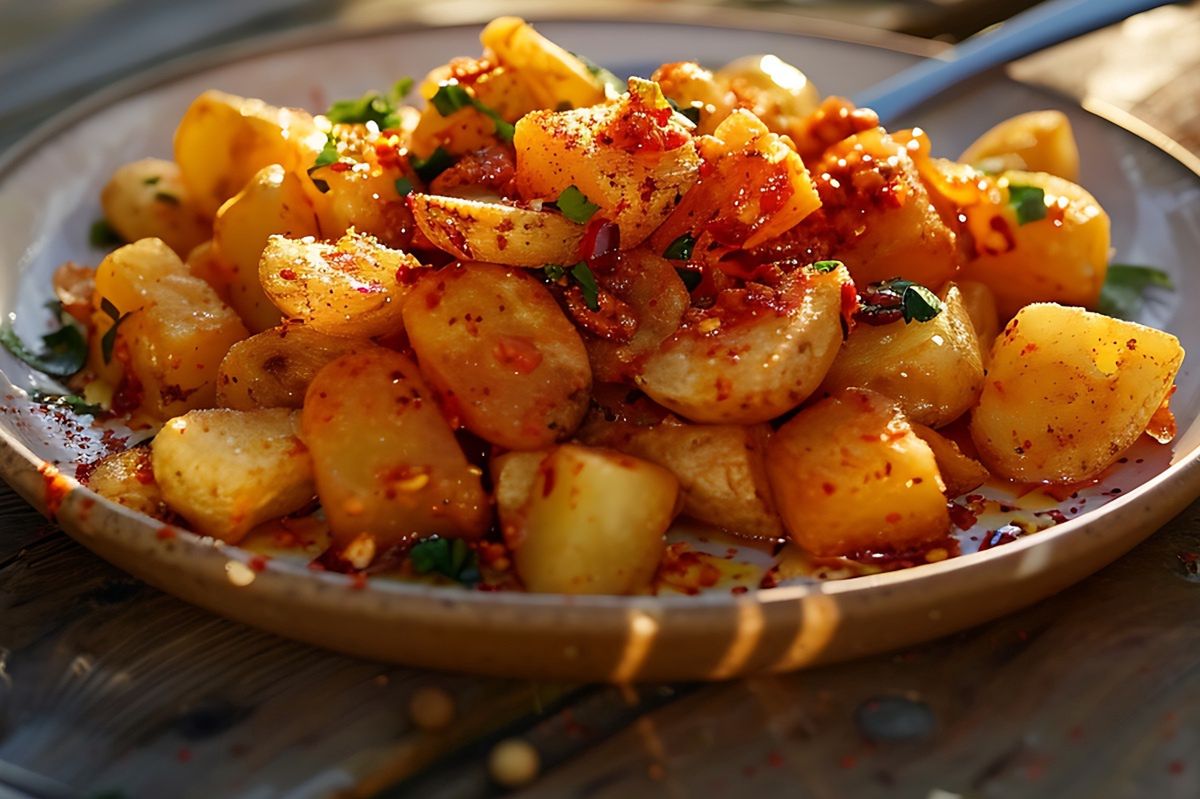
point(755, 354)
point(496, 233)
point(496, 346)
point(933, 370)
point(387, 464)
point(1068, 391)
point(228, 471)
point(721, 469)
point(127, 478)
point(850, 475)
point(351, 287)
point(654, 291)
point(960, 472)
point(272, 369)
point(147, 199)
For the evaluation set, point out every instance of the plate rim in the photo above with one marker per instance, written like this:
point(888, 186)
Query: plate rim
point(1185, 472)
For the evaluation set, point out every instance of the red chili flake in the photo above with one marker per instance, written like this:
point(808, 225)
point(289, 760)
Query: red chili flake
point(848, 761)
point(518, 353)
point(828, 488)
point(258, 563)
point(287, 274)
point(893, 518)
point(358, 581)
point(83, 471)
point(738, 589)
point(962, 517)
point(339, 166)
point(164, 533)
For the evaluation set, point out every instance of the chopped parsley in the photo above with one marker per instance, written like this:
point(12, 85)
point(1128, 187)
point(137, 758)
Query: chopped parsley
point(691, 113)
point(110, 336)
point(575, 206)
point(64, 351)
point(607, 79)
point(452, 97)
point(826, 266)
point(1029, 202)
point(382, 109)
point(681, 248)
point(449, 557)
point(580, 275)
point(896, 299)
point(690, 277)
point(432, 165)
point(404, 187)
point(1125, 287)
point(76, 403)
point(102, 235)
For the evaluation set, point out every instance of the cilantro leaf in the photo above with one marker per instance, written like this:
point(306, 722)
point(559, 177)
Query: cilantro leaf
point(404, 187)
point(587, 284)
point(64, 352)
point(575, 206)
point(826, 266)
point(452, 97)
point(102, 235)
point(382, 109)
point(432, 165)
point(892, 300)
point(75, 402)
point(690, 112)
point(328, 154)
point(681, 248)
point(448, 557)
point(554, 272)
point(919, 304)
point(1125, 287)
point(607, 79)
point(110, 336)
point(690, 277)
point(1029, 202)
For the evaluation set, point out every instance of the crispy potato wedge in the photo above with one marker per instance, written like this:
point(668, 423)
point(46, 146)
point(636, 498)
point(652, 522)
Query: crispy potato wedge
point(148, 199)
point(386, 462)
point(851, 476)
point(127, 478)
point(472, 230)
point(1068, 391)
point(272, 369)
point(755, 354)
point(960, 472)
point(496, 346)
point(228, 471)
point(352, 287)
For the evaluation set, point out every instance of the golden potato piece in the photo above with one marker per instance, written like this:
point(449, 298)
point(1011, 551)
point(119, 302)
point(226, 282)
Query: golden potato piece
point(173, 333)
point(496, 346)
point(755, 354)
point(629, 157)
point(778, 93)
point(228, 471)
point(496, 86)
point(980, 305)
point(352, 287)
point(593, 523)
point(501, 234)
point(223, 140)
point(272, 369)
point(1037, 141)
point(850, 476)
point(127, 478)
point(549, 73)
point(272, 203)
point(147, 199)
point(387, 464)
point(960, 472)
point(1062, 257)
point(933, 370)
point(1068, 391)
point(691, 86)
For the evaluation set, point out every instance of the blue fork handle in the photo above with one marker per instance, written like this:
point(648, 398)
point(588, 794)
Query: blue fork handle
point(1042, 26)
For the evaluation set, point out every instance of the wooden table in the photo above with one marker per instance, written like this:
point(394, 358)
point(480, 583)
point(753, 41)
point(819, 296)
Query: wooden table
point(109, 688)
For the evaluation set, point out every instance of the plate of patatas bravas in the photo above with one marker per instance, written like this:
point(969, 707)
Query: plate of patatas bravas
point(527, 346)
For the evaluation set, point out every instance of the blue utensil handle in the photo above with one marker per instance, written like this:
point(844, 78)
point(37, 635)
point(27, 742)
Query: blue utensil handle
point(1040, 27)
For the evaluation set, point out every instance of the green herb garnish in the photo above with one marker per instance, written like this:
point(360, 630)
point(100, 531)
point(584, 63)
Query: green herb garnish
point(690, 112)
point(64, 352)
point(919, 304)
point(102, 235)
point(587, 285)
point(681, 248)
point(554, 272)
point(606, 78)
point(382, 109)
point(896, 299)
point(690, 277)
point(448, 557)
point(431, 166)
point(1125, 286)
point(575, 206)
point(452, 97)
point(1029, 202)
point(826, 266)
point(76, 403)
point(110, 336)
point(404, 187)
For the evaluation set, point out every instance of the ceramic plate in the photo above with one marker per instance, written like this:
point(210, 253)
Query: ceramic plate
point(48, 198)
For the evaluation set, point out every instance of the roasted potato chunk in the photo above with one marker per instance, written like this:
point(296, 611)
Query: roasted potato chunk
point(756, 353)
point(272, 369)
point(850, 476)
point(1068, 391)
point(933, 370)
point(352, 287)
point(147, 199)
point(387, 464)
point(496, 233)
point(980, 305)
point(692, 87)
point(272, 203)
point(960, 472)
point(633, 148)
point(552, 75)
point(173, 332)
point(593, 522)
point(778, 93)
point(127, 478)
point(228, 471)
point(498, 349)
point(223, 140)
point(1037, 141)
point(1061, 256)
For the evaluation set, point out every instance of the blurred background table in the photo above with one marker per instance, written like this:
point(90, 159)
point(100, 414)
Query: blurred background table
point(109, 688)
